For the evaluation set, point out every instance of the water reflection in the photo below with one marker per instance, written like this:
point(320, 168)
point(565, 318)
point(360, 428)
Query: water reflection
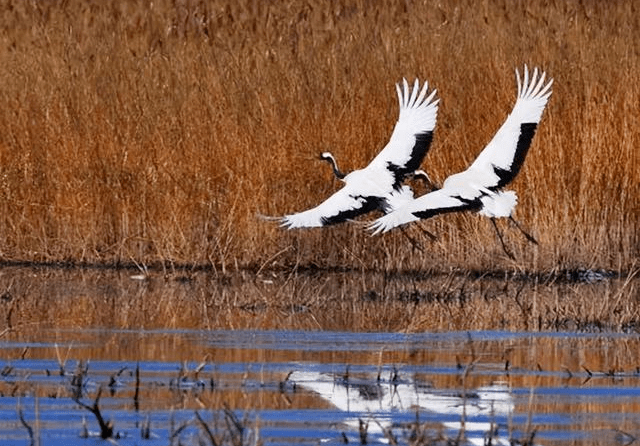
point(376, 404)
point(312, 300)
point(175, 344)
point(305, 387)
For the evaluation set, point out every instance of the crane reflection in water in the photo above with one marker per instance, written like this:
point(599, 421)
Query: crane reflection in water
point(479, 416)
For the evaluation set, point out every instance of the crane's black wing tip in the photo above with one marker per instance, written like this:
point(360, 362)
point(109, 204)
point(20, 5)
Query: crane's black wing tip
point(527, 131)
point(418, 153)
point(474, 204)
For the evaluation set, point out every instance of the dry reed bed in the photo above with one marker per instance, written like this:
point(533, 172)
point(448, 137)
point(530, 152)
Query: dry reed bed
point(157, 131)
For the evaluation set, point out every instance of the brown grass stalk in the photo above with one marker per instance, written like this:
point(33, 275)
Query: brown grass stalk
point(159, 130)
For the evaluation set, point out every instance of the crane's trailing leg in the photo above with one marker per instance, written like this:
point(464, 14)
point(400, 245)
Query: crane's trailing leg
point(414, 242)
point(427, 233)
point(504, 247)
point(528, 237)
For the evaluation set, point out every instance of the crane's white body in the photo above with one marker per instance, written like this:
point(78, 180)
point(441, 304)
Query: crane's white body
point(479, 187)
point(378, 186)
point(499, 204)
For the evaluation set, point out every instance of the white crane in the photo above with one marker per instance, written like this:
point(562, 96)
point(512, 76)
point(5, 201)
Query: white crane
point(479, 187)
point(379, 185)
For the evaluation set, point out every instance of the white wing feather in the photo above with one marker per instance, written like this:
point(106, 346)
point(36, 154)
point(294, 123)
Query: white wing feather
point(376, 181)
point(439, 201)
point(418, 114)
point(532, 98)
point(479, 181)
point(341, 201)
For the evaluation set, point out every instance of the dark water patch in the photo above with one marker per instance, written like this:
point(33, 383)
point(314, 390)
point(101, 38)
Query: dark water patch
point(72, 298)
point(180, 358)
point(182, 272)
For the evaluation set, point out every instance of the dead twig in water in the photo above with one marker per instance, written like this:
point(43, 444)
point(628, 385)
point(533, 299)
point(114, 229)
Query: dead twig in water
point(136, 395)
point(175, 433)
point(235, 427)
point(529, 432)
point(388, 434)
point(61, 362)
point(77, 380)
point(26, 425)
point(106, 428)
point(206, 429)
point(363, 430)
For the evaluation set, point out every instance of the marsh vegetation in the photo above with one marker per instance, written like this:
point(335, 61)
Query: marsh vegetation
point(140, 141)
point(312, 300)
point(156, 132)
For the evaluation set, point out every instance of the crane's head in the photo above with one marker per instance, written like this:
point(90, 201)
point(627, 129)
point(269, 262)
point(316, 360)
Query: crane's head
point(327, 156)
point(422, 175)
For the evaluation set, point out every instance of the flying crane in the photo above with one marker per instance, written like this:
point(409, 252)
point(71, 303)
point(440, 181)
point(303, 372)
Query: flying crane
point(479, 188)
point(379, 185)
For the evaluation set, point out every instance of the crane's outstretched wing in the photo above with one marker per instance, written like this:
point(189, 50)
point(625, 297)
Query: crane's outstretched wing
point(506, 152)
point(341, 206)
point(412, 133)
point(426, 206)
point(476, 189)
point(378, 186)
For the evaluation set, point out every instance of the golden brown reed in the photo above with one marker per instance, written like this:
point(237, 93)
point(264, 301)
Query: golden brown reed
point(158, 131)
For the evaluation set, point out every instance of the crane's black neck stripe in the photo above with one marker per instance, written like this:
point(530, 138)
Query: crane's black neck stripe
point(334, 165)
point(465, 205)
point(367, 205)
point(418, 152)
point(527, 130)
point(339, 174)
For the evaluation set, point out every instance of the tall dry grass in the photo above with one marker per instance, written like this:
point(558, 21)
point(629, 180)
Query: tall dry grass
point(157, 131)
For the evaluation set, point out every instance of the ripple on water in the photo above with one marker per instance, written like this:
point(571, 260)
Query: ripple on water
point(305, 387)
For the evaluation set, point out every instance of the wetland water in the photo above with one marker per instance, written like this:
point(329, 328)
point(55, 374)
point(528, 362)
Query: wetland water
point(72, 335)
